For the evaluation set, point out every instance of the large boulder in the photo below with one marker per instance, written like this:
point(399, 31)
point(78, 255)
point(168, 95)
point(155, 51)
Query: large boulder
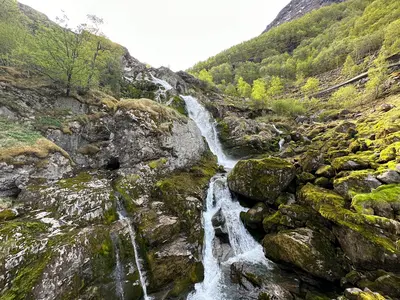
point(261, 179)
point(356, 182)
point(306, 249)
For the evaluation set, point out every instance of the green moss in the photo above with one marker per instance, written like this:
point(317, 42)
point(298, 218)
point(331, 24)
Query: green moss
point(27, 277)
point(155, 164)
point(390, 153)
point(315, 196)
point(76, 183)
point(363, 160)
point(7, 214)
point(305, 177)
point(179, 104)
point(386, 195)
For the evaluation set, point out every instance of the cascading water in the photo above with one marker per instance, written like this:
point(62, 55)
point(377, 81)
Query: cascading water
point(206, 124)
point(219, 200)
point(123, 218)
point(118, 272)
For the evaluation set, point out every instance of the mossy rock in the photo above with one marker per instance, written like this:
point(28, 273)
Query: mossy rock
point(261, 179)
point(306, 249)
point(384, 202)
point(254, 217)
point(326, 171)
point(351, 162)
point(178, 103)
point(391, 152)
point(304, 177)
point(324, 182)
point(314, 197)
point(357, 294)
point(355, 182)
point(7, 214)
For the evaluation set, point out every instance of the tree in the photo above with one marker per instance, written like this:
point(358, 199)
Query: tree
point(72, 57)
point(231, 90)
point(276, 87)
point(392, 38)
point(243, 88)
point(311, 86)
point(377, 75)
point(259, 92)
point(206, 76)
point(222, 73)
point(349, 67)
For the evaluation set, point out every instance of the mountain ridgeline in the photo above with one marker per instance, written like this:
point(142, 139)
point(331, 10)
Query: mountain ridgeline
point(296, 9)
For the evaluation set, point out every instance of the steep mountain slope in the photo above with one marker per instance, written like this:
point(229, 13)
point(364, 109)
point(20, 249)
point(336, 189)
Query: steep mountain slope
point(296, 9)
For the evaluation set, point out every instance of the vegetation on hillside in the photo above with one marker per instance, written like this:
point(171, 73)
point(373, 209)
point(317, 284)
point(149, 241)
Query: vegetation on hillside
point(354, 36)
point(80, 57)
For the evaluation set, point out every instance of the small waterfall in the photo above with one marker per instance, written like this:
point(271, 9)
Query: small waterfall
point(123, 218)
point(277, 130)
point(161, 82)
point(281, 143)
point(118, 273)
point(219, 198)
point(206, 124)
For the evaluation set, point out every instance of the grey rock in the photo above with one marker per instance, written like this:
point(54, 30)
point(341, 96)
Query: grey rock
point(389, 177)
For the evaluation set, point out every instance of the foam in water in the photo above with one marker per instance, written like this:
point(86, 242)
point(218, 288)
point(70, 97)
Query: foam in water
point(138, 263)
point(244, 247)
point(161, 82)
point(206, 124)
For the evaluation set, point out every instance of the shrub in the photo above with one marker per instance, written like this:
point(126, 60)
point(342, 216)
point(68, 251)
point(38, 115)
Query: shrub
point(288, 107)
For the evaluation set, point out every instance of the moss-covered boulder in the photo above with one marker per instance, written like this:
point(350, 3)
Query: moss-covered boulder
point(261, 179)
point(253, 218)
point(357, 294)
point(384, 202)
point(326, 171)
point(356, 182)
point(351, 162)
point(315, 197)
point(306, 249)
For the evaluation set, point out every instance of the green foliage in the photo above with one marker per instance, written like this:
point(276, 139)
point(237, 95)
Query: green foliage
point(345, 97)
point(313, 44)
point(276, 87)
point(349, 68)
point(392, 40)
point(222, 73)
point(377, 75)
point(259, 91)
point(78, 57)
point(311, 86)
point(288, 107)
point(206, 76)
point(243, 88)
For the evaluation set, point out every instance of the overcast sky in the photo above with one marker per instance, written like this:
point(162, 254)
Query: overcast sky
point(174, 33)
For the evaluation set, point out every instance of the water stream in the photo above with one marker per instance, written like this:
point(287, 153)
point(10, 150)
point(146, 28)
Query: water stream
point(118, 272)
point(142, 276)
point(243, 247)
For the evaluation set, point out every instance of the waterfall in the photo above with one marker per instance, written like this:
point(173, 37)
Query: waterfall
point(281, 143)
point(219, 199)
point(207, 126)
point(161, 82)
point(118, 273)
point(123, 218)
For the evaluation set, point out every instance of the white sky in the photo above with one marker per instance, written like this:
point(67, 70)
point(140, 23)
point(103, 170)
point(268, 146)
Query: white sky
point(174, 33)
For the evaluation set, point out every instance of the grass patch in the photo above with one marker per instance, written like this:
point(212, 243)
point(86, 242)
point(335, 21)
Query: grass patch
point(16, 140)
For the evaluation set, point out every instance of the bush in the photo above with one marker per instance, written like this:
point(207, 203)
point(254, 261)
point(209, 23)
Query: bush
point(288, 107)
point(345, 97)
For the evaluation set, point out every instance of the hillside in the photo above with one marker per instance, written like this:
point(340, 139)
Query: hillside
point(342, 39)
point(296, 9)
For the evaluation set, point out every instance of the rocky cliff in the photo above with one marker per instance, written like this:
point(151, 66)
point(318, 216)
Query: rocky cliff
point(296, 9)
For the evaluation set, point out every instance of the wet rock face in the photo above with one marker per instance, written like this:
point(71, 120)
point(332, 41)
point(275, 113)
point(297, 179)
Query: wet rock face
point(307, 250)
point(261, 179)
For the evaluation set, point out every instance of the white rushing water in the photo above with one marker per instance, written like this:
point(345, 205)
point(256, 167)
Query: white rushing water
point(138, 262)
point(118, 273)
point(161, 82)
point(219, 198)
point(207, 126)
